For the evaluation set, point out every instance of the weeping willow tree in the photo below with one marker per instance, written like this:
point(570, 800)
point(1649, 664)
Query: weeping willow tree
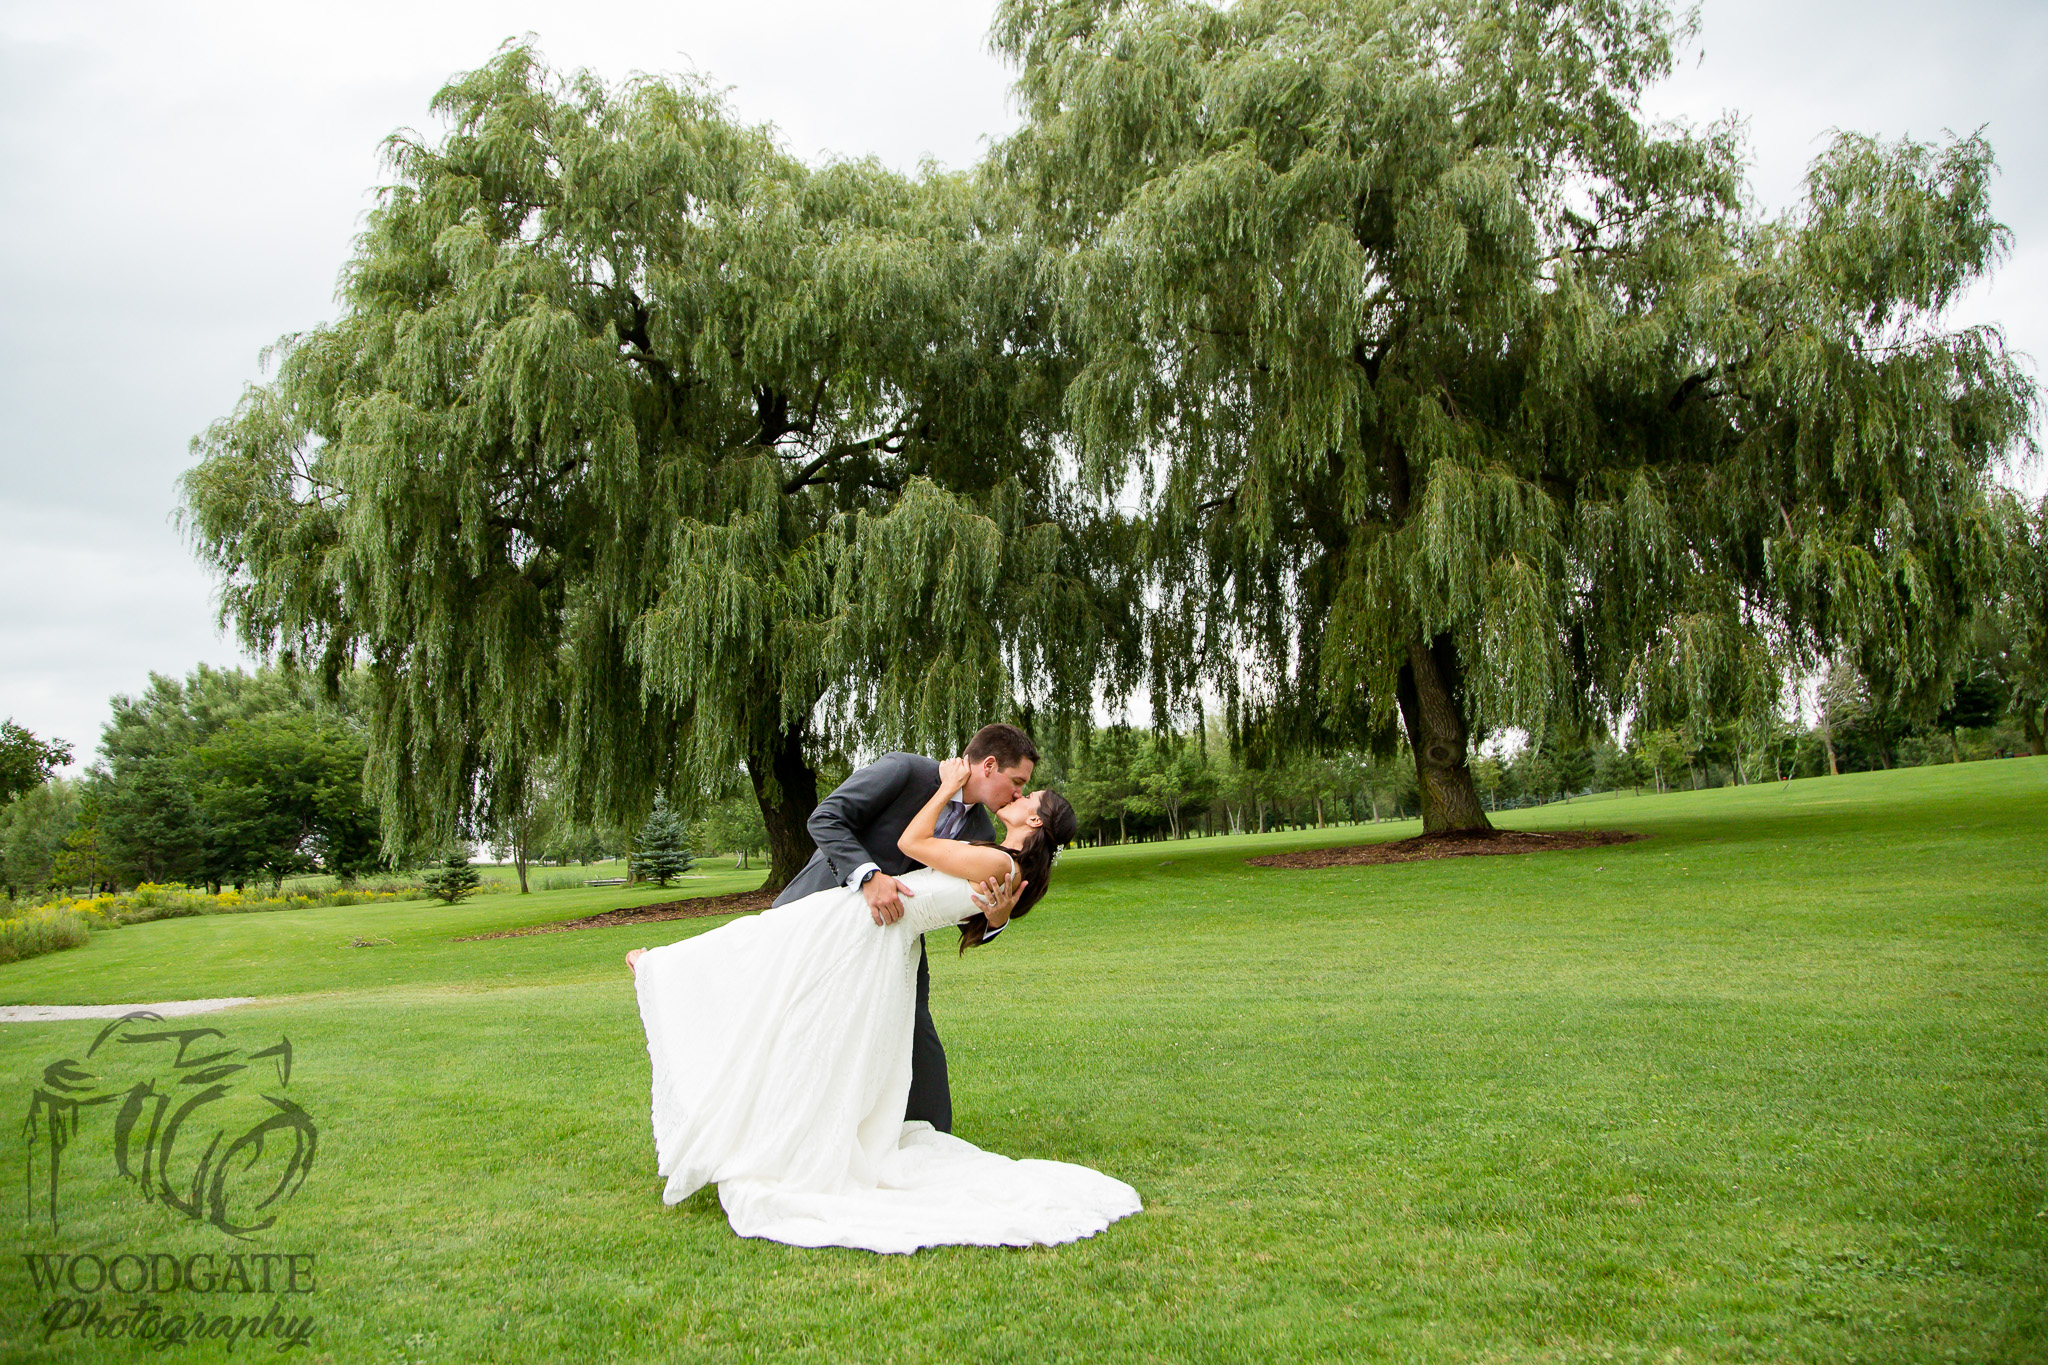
point(2018, 632)
point(1464, 394)
point(646, 452)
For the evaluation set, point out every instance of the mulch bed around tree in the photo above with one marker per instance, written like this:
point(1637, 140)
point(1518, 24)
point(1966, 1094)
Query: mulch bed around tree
point(1426, 846)
point(738, 903)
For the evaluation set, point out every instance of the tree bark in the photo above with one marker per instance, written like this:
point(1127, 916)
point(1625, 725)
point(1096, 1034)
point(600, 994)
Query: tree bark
point(787, 790)
point(2030, 720)
point(1432, 709)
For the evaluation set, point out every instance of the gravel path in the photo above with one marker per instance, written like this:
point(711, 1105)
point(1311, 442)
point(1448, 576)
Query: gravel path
point(35, 1014)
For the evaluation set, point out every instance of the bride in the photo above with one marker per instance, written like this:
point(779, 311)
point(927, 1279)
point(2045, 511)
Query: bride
point(781, 1051)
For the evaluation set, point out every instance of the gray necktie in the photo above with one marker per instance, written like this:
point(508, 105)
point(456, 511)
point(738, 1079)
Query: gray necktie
point(950, 820)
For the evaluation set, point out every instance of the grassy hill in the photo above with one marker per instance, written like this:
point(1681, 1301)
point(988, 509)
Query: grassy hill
point(1771, 1083)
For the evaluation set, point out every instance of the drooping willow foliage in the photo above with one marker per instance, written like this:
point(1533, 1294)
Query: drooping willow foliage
point(2019, 628)
point(645, 452)
point(1466, 394)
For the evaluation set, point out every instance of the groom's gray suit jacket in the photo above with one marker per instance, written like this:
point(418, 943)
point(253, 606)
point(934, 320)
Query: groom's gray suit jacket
point(860, 822)
point(865, 815)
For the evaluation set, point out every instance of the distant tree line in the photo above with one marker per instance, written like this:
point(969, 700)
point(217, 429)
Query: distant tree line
point(219, 779)
point(226, 777)
point(1131, 784)
point(229, 777)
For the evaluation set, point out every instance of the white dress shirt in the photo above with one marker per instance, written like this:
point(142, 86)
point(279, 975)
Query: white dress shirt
point(950, 821)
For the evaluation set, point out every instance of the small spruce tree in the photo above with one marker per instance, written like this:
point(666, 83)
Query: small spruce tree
point(453, 879)
point(663, 849)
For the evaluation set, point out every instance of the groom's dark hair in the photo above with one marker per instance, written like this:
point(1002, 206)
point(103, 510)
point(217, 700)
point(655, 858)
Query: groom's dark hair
point(1010, 745)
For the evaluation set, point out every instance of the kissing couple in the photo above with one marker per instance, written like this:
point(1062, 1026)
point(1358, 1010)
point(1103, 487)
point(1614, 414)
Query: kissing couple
point(795, 1061)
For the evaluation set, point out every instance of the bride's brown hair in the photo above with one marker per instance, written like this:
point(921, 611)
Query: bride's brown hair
point(1034, 862)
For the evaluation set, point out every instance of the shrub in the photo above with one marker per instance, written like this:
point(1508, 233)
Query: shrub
point(153, 902)
point(47, 929)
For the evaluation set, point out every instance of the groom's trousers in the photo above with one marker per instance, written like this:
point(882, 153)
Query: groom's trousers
point(930, 1097)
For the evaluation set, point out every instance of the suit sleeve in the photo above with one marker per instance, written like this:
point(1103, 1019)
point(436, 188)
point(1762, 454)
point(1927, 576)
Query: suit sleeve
point(853, 806)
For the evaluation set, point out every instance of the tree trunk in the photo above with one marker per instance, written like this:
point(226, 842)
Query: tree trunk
point(2030, 721)
point(519, 862)
point(1429, 690)
point(787, 790)
point(1827, 738)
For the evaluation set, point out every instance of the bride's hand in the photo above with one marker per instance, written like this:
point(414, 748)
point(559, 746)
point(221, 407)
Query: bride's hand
point(953, 774)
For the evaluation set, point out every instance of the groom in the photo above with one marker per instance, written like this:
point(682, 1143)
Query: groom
point(856, 829)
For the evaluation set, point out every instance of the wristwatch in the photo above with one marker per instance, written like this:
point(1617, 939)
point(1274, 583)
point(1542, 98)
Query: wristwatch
point(869, 875)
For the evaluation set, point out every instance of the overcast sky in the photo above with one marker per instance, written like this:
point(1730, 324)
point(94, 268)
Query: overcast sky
point(182, 182)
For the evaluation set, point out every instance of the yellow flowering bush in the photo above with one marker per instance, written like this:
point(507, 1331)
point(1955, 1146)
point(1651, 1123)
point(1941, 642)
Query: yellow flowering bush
point(45, 929)
point(67, 921)
point(151, 901)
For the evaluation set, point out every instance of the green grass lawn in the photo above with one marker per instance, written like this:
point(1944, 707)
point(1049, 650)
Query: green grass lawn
point(1771, 1084)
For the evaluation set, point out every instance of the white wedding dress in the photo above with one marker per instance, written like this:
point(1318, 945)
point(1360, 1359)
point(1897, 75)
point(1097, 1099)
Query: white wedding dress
point(781, 1051)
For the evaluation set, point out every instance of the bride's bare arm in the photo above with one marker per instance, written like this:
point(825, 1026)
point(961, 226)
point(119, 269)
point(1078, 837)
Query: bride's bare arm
point(969, 862)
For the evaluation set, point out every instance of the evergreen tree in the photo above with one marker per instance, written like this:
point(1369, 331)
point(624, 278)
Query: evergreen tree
point(34, 828)
point(83, 861)
point(1472, 396)
point(454, 878)
point(641, 445)
point(662, 851)
point(150, 820)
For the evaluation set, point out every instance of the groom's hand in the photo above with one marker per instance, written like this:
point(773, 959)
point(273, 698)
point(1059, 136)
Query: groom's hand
point(884, 895)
